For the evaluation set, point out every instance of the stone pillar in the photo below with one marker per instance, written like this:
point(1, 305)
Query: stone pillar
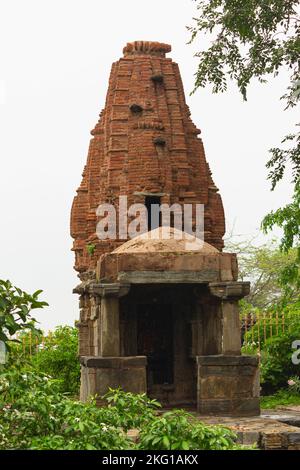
point(229, 293)
point(109, 321)
point(109, 340)
point(231, 334)
point(95, 313)
point(83, 326)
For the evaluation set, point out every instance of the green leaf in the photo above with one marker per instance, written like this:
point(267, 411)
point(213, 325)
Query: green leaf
point(185, 445)
point(90, 447)
point(81, 426)
point(166, 442)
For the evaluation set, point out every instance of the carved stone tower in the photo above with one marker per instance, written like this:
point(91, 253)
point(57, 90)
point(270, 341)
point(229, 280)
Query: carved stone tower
point(154, 316)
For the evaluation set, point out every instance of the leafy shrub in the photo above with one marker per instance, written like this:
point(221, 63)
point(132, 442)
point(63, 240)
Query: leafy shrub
point(55, 355)
point(180, 430)
point(134, 410)
point(276, 359)
point(83, 426)
point(34, 414)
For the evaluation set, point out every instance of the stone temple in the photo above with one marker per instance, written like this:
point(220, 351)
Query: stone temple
point(155, 316)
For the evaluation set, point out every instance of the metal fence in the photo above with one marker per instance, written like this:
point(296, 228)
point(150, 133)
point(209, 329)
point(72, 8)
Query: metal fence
point(31, 343)
point(257, 327)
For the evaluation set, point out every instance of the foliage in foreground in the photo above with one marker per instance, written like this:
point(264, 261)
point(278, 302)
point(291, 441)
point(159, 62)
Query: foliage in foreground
point(177, 430)
point(34, 414)
point(15, 310)
point(134, 410)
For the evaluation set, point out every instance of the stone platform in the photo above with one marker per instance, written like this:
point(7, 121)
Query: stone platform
point(273, 430)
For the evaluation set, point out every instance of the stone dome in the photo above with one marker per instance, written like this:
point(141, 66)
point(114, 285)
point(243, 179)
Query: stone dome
point(166, 239)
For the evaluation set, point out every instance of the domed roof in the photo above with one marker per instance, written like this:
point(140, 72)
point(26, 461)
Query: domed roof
point(165, 239)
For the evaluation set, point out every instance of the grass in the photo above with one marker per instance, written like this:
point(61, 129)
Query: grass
point(280, 398)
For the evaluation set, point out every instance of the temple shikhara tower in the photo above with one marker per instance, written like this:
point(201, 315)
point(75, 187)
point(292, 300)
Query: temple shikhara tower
point(155, 316)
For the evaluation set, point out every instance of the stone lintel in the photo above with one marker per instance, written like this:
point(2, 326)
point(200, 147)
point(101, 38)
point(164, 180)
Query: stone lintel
point(113, 362)
point(229, 290)
point(168, 277)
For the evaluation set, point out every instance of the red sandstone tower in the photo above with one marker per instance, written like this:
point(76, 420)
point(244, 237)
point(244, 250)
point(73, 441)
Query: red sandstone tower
point(154, 316)
point(145, 146)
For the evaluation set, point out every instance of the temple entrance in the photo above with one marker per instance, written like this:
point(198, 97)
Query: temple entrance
point(155, 340)
point(155, 324)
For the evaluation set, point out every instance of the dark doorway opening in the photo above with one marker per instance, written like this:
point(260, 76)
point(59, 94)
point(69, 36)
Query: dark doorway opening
point(152, 204)
point(155, 340)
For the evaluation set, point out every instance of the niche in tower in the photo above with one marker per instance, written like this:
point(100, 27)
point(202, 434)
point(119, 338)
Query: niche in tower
point(152, 204)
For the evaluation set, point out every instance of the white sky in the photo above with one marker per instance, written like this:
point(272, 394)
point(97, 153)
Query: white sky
point(55, 59)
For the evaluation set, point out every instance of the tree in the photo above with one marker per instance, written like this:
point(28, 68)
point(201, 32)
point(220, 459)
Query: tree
point(256, 39)
point(288, 218)
point(15, 310)
point(263, 265)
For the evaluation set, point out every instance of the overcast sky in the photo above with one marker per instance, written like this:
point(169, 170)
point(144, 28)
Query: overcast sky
point(55, 60)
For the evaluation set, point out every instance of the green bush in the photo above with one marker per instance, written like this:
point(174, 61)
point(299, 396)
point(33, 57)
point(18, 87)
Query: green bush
point(180, 430)
point(134, 410)
point(55, 355)
point(276, 359)
point(34, 414)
